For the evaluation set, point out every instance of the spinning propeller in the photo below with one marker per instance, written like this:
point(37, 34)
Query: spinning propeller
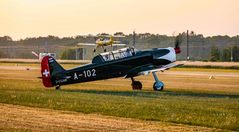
point(178, 42)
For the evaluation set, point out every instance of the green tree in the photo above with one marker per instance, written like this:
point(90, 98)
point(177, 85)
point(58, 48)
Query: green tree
point(215, 53)
point(1, 54)
point(119, 34)
point(235, 53)
point(68, 54)
point(226, 55)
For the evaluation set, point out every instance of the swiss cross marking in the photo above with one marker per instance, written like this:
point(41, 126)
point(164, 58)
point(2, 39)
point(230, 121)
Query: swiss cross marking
point(46, 73)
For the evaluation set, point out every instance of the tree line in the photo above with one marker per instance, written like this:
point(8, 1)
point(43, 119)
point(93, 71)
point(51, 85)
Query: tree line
point(226, 54)
point(213, 48)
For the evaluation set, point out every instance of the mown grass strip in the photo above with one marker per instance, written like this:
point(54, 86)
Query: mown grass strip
point(194, 108)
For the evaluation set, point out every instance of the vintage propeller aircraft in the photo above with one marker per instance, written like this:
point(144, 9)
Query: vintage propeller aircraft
point(126, 62)
point(102, 41)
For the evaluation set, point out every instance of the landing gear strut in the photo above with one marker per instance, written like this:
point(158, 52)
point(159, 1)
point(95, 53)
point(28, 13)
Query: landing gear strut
point(103, 48)
point(158, 85)
point(58, 87)
point(136, 85)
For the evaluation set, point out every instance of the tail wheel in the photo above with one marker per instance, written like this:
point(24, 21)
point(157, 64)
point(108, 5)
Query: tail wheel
point(136, 85)
point(58, 87)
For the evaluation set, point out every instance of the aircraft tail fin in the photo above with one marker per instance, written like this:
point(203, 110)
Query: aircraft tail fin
point(49, 67)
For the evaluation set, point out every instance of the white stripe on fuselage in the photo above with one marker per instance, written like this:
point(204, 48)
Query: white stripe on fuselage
point(171, 56)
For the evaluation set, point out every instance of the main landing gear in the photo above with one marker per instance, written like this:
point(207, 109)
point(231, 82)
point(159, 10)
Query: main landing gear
point(104, 48)
point(136, 85)
point(58, 87)
point(158, 85)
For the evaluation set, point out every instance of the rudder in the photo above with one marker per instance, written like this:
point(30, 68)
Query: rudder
point(49, 67)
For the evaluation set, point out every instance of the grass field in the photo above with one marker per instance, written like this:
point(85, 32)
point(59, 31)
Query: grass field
point(188, 99)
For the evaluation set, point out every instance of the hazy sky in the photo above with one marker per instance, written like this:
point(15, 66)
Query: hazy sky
point(28, 18)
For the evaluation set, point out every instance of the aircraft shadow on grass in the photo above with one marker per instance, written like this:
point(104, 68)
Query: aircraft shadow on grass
point(154, 94)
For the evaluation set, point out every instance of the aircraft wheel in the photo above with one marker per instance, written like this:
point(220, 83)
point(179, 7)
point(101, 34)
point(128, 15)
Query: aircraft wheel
point(136, 85)
point(58, 87)
point(94, 50)
point(158, 86)
point(104, 50)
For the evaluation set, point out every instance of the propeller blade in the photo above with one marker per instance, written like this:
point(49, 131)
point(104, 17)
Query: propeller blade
point(178, 42)
point(34, 53)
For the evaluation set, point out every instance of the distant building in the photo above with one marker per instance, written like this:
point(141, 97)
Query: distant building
point(41, 55)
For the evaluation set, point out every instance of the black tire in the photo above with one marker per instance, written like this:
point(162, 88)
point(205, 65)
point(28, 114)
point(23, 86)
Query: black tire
point(58, 87)
point(155, 89)
point(136, 85)
point(104, 50)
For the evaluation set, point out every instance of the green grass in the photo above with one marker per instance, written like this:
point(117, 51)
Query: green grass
point(19, 64)
point(210, 109)
point(202, 69)
point(212, 67)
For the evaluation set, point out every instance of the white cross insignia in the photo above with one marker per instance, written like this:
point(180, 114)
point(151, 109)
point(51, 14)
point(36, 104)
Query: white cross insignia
point(46, 73)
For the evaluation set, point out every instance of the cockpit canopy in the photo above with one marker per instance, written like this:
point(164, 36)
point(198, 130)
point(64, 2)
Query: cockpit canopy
point(114, 55)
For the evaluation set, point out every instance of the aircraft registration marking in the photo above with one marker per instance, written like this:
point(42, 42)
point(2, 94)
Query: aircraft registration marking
point(89, 73)
point(61, 81)
point(85, 74)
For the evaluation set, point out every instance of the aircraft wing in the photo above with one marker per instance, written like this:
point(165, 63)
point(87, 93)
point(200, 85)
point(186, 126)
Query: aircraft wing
point(145, 70)
point(91, 44)
point(119, 44)
point(162, 69)
point(86, 44)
